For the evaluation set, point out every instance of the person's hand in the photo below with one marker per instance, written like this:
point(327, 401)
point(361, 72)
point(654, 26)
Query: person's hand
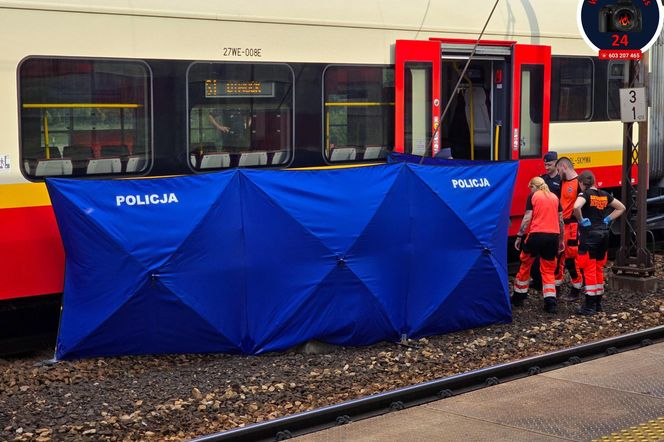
point(607, 219)
point(585, 222)
point(225, 129)
point(517, 243)
point(561, 246)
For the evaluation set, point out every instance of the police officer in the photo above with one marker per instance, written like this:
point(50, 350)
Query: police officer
point(593, 211)
point(551, 177)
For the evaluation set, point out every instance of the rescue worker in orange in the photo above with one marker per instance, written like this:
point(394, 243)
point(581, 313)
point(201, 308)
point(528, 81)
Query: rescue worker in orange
point(569, 190)
point(552, 180)
point(593, 211)
point(544, 240)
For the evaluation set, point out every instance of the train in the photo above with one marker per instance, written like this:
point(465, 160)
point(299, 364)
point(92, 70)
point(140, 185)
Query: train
point(93, 89)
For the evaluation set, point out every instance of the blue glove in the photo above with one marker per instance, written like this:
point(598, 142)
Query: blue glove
point(585, 222)
point(607, 219)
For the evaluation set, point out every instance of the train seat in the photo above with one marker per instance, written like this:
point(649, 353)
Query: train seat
point(114, 150)
point(77, 152)
point(53, 152)
point(54, 167)
point(374, 153)
point(136, 163)
point(253, 159)
point(104, 165)
point(215, 160)
point(481, 121)
point(279, 157)
point(343, 154)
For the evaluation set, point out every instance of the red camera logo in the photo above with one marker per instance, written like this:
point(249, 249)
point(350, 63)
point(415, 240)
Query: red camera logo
point(620, 29)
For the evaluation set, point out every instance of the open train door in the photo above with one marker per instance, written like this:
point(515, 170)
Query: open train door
point(517, 82)
point(531, 97)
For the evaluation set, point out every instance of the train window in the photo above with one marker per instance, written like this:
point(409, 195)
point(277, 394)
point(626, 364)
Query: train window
point(358, 113)
point(417, 109)
point(571, 88)
point(240, 115)
point(618, 76)
point(530, 123)
point(84, 117)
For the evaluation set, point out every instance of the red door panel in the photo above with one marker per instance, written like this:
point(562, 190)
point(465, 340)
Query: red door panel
point(416, 51)
point(531, 97)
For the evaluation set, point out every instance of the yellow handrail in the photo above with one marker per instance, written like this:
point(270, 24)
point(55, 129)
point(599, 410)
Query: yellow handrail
point(48, 149)
point(496, 142)
point(359, 103)
point(327, 133)
point(81, 105)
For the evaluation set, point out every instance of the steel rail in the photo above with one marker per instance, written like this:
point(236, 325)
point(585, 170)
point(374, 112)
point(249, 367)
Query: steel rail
point(346, 412)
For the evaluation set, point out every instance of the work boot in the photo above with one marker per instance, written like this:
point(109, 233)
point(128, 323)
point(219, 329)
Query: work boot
point(550, 305)
point(517, 299)
point(589, 307)
point(572, 295)
point(598, 303)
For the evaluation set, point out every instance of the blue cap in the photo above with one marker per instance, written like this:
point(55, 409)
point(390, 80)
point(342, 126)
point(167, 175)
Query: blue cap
point(551, 156)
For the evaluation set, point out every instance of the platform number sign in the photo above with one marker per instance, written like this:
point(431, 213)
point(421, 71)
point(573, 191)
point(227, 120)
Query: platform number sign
point(633, 106)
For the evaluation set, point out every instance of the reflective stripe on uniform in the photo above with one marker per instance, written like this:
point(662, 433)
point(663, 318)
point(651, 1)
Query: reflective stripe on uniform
point(521, 286)
point(549, 290)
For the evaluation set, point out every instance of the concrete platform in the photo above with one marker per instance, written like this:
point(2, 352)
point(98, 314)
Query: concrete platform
point(615, 398)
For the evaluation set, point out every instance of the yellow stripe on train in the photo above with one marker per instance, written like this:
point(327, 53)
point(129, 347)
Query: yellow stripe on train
point(35, 194)
point(584, 160)
point(23, 195)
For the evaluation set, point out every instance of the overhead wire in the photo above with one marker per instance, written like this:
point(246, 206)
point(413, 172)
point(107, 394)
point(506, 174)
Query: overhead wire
point(461, 76)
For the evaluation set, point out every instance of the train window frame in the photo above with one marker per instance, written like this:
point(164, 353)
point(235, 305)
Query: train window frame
point(195, 168)
point(149, 154)
point(530, 68)
point(324, 137)
point(556, 86)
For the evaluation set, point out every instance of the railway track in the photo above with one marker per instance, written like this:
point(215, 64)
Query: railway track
point(375, 405)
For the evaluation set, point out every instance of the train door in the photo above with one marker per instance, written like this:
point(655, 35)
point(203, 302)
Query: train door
point(531, 82)
point(500, 111)
point(417, 97)
point(477, 109)
point(431, 113)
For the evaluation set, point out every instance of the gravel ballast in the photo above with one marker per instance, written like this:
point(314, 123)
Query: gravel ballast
point(177, 397)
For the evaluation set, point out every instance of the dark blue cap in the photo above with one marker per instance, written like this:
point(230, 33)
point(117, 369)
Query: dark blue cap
point(551, 156)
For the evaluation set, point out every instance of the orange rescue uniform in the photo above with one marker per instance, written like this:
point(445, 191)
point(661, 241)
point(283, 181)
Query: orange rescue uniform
point(569, 191)
point(542, 241)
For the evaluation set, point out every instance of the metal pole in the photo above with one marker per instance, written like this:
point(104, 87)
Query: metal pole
point(634, 268)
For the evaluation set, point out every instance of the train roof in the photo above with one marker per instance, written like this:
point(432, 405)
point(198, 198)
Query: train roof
point(512, 18)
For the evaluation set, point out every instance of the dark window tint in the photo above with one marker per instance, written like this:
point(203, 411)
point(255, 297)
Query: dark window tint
point(358, 112)
point(417, 109)
point(84, 117)
point(617, 77)
point(240, 115)
point(571, 89)
point(532, 92)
